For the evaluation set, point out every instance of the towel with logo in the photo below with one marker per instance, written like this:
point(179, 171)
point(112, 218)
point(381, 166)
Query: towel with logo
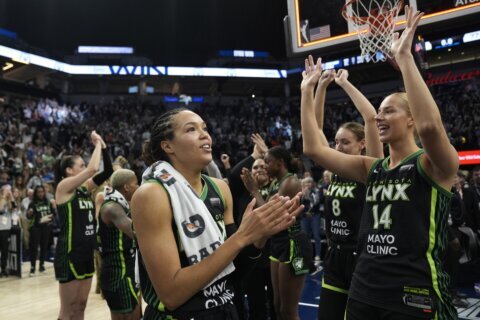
point(196, 227)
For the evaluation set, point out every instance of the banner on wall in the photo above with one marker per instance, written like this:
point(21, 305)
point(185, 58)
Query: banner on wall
point(469, 157)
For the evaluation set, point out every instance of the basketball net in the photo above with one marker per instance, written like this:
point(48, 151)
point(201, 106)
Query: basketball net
point(374, 22)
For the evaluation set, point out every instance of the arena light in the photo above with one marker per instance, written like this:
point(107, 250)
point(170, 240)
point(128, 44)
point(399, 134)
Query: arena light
point(428, 46)
point(471, 36)
point(243, 53)
point(21, 60)
point(226, 72)
point(469, 157)
point(27, 58)
point(105, 50)
point(8, 33)
point(7, 66)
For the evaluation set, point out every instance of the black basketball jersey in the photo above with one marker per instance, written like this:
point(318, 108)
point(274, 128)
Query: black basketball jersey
point(116, 248)
point(293, 229)
point(343, 210)
point(41, 209)
point(218, 293)
point(77, 226)
point(401, 242)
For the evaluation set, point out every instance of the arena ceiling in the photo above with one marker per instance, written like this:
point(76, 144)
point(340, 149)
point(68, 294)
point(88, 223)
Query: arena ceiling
point(169, 32)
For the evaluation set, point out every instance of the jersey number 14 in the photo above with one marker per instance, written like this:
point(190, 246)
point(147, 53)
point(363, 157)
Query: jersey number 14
point(385, 218)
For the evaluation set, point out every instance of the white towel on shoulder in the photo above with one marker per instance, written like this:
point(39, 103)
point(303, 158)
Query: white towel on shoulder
point(198, 232)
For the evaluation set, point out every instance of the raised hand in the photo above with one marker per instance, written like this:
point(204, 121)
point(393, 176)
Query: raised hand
point(260, 147)
point(402, 45)
point(225, 158)
point(95, 137)
point(341, 77)
point(311, 74)
point(328, 76)
point(248, 180)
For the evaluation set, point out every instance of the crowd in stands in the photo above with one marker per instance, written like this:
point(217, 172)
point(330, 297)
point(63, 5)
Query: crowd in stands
point(34, 132)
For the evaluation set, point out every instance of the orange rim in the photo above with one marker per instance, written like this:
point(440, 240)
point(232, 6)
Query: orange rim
point(362, 20)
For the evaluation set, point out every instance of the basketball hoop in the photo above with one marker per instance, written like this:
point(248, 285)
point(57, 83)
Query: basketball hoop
point(374, 22)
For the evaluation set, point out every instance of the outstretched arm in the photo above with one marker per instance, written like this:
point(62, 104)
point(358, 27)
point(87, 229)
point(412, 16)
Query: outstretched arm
point(374, 147)
point(351, 167)
point(325, 79)
point(441, 159)
point(67, 186)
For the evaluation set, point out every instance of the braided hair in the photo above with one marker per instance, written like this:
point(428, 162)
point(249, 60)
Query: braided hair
point(162, 130)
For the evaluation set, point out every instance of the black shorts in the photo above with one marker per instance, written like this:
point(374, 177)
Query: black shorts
point(357, 310)
point(67, 270)
point(294, 250)
point(339, 264)
point(124, 298)
point(225, 312)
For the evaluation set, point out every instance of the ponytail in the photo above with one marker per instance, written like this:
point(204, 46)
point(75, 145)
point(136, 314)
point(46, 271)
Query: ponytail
point(61, 165)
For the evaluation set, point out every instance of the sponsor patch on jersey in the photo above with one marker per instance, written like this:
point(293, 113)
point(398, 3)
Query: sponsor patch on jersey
point(406, 167)
point(418, 298)
point(215, 201)
point(418, 301)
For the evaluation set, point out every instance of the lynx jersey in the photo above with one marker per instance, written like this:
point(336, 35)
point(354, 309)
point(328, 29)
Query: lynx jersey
point(116, 248)
point(217, 294)
point(343, 210)
point(402, 239)
point(77, 226)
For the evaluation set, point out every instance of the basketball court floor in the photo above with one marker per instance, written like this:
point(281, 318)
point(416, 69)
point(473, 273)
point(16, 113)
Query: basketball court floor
point(37, 298)
point(310, 298)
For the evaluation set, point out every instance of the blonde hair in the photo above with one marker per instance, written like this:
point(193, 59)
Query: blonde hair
point(404, 98)
point(406, 106)
point(121, 162)
point(121, 177)
point(306, 180)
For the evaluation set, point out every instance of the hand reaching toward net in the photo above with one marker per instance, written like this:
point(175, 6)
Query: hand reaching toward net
point(402, 45)
point(312, 73)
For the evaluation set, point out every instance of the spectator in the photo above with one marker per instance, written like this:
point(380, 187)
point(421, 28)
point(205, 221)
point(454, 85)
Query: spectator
point(6, 199)
point(311, 219)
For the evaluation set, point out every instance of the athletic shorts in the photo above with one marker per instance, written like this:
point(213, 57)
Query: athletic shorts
point(357, 310)
point(67, 270)
point(295, 251)
point(338, 267)
point(124, 298)
point(225, 312)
